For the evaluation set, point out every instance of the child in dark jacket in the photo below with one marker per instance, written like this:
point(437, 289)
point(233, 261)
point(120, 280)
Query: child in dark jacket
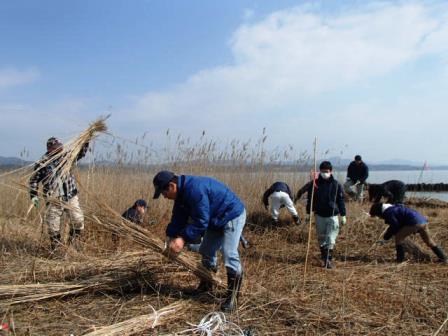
point(134, 214)
point(404, 222)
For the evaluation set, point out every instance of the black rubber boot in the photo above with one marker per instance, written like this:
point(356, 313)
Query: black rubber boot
point(297, 220)
point(234, 282)
point(74, 239)
point(55, 241)
point(440, 253)
point(327, 257)
point(400, 253)
point(204, 285)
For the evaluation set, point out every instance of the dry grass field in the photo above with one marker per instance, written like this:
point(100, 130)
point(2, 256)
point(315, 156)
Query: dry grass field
point(366, 294)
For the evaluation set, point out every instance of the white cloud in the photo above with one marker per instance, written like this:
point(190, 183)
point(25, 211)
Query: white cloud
point(285, 69)
point(10, 77)
point(297, 53)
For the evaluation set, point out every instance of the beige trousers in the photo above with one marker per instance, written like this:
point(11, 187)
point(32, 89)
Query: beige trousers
point(55, 210)
point(421, 229)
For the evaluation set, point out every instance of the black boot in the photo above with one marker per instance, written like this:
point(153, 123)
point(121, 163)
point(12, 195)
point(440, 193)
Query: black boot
point(234, 282)
point(327, 257)
point(440, 253)
point(400, 253)
point(74, 239)
point(297, 220)
point(204, 285)
point(55, 241)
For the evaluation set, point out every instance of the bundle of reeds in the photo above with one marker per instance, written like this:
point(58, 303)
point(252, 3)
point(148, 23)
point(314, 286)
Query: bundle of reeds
point(141, 323)
point(112, 221)
point(68, 156)
point(44, 270)
point(116, 279)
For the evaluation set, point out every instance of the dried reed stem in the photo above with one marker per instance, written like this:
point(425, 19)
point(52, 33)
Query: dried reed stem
point(143, 322)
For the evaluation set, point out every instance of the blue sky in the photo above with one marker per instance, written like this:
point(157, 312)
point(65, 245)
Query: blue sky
point(364, 77)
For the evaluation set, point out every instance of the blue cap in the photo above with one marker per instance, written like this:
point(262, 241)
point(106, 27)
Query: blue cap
point(141, 202)
point(161, 181)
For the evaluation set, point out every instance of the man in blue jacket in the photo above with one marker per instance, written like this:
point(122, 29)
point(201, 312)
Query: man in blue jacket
point(205, 207)
point(328, 203)
point(404, 222)
point(279, 195)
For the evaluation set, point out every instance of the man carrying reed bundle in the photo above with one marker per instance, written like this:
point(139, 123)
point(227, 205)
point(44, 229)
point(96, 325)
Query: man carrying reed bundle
point(60, 192)
point(205, 206)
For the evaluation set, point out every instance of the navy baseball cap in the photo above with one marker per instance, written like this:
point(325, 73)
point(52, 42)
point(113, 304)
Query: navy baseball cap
point(141, 202)
point(161, 181)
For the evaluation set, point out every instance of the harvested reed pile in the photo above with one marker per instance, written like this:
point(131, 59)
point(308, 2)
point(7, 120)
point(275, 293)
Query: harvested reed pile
point(116, 280)
point(143, 322)
point(44, 270)
point(97, 275)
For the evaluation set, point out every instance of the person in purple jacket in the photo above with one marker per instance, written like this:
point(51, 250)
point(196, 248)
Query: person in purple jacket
point(205, 207)
point(404, 222)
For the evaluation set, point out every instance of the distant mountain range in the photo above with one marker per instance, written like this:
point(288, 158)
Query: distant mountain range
point(338, 162)
point(13, 161)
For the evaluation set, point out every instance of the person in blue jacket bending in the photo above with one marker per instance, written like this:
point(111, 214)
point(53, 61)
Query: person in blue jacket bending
point(404, 222)
point(216, 213)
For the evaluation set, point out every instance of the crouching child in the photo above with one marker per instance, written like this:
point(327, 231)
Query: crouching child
point(404, 222)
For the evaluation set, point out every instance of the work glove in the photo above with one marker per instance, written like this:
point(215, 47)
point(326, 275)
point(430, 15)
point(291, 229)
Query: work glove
point(381, 242)
point(343, 220)
point(35, 201)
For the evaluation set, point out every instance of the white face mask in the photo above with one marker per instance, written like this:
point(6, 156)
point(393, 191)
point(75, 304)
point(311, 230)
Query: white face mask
point(325, 176)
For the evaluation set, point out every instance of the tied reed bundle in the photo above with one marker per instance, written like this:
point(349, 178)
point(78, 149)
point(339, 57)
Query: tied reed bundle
point(143, 322)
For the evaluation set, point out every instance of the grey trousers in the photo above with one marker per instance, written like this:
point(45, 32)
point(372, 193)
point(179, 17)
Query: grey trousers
point(327, 229)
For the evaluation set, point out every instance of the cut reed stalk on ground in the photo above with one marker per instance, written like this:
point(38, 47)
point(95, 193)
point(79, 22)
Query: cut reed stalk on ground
point(142, 323)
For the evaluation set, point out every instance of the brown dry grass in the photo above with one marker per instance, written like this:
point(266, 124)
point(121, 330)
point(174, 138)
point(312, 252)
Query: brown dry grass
point(367, 294)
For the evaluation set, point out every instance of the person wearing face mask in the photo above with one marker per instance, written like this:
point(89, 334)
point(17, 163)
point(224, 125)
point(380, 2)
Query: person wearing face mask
point(328, 203)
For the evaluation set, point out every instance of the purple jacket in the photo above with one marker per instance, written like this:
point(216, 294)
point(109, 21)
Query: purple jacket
point(398, 216)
